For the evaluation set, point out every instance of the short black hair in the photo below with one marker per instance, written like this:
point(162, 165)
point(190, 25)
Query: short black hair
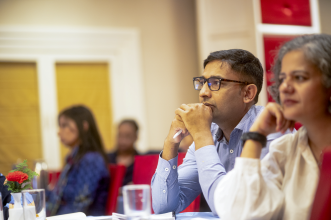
point(132, 122)
point(242, 62)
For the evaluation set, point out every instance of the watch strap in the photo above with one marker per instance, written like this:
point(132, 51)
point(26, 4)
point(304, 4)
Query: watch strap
point(254, 136)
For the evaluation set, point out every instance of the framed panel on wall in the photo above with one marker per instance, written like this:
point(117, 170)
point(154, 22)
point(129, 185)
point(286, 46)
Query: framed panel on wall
point(286, 12)
point(20, 133)
point(271, 45)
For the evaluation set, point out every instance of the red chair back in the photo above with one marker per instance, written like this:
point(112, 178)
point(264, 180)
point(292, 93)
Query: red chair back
point(53, 177)
point(322, 203)
point(117, 173)
point(144, 169)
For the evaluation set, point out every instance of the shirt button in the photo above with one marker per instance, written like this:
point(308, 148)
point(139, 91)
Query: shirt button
point(231, 151)
point(174, 167)
point(163, 191)
point(166, 169)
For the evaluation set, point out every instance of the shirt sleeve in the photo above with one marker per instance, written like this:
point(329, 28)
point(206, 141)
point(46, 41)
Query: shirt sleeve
point(174, 189)
point(252, 190)
point(211, 172)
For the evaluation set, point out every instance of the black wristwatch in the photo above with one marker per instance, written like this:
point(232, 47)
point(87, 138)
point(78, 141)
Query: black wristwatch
point(254, 136)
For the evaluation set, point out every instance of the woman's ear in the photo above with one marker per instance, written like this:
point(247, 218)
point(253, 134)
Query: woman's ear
point(85, 125)
point(250, 92)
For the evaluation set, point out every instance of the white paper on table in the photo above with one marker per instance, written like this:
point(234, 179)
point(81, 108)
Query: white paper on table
point(117, 216)
point(73, 216)
point(165, 216)
point(100, 218)
point(199, 218)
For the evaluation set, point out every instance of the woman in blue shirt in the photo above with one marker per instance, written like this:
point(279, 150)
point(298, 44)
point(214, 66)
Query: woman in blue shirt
point(84, 181)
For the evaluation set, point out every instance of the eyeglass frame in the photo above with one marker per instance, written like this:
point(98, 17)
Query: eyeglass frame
point(220, 79)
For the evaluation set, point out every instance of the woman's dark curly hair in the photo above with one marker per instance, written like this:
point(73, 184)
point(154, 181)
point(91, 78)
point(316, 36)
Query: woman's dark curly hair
point(317, 50)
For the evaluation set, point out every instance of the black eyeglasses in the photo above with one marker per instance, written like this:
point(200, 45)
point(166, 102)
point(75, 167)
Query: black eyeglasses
point(214, 83)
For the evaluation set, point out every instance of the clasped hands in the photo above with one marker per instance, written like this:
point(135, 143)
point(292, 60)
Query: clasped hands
point(194, 119)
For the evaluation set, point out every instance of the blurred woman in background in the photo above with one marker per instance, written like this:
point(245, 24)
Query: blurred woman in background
point(283, 184)
point(84, 181)
point(127, 136)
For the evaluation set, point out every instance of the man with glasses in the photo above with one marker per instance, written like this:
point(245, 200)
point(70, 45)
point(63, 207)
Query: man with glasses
point(229, 89)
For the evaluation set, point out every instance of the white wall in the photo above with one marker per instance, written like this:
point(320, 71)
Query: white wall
point(224, 24)
point(168, 42)
point(325, 16)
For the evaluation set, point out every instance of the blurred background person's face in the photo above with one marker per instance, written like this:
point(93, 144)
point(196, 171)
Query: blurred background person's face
point(302, 94)
point(68, 132)
point(126, 137)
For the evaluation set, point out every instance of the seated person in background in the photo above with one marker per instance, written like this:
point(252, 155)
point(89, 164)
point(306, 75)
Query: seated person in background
point(283, 184)
point(6, 197)
point(229, 88)
point(127, 136)
point(84, 181)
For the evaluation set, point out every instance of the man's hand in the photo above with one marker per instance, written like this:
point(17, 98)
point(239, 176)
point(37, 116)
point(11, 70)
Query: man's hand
point(197, 119)
point(177, 125)
point(171, 145)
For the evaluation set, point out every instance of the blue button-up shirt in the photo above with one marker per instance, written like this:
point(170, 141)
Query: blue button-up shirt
point(202, 170)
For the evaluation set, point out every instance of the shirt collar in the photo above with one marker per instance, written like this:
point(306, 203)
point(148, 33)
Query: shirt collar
point(303, 145)
point(72, 155)
point(219, 135)
point(245, 123)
